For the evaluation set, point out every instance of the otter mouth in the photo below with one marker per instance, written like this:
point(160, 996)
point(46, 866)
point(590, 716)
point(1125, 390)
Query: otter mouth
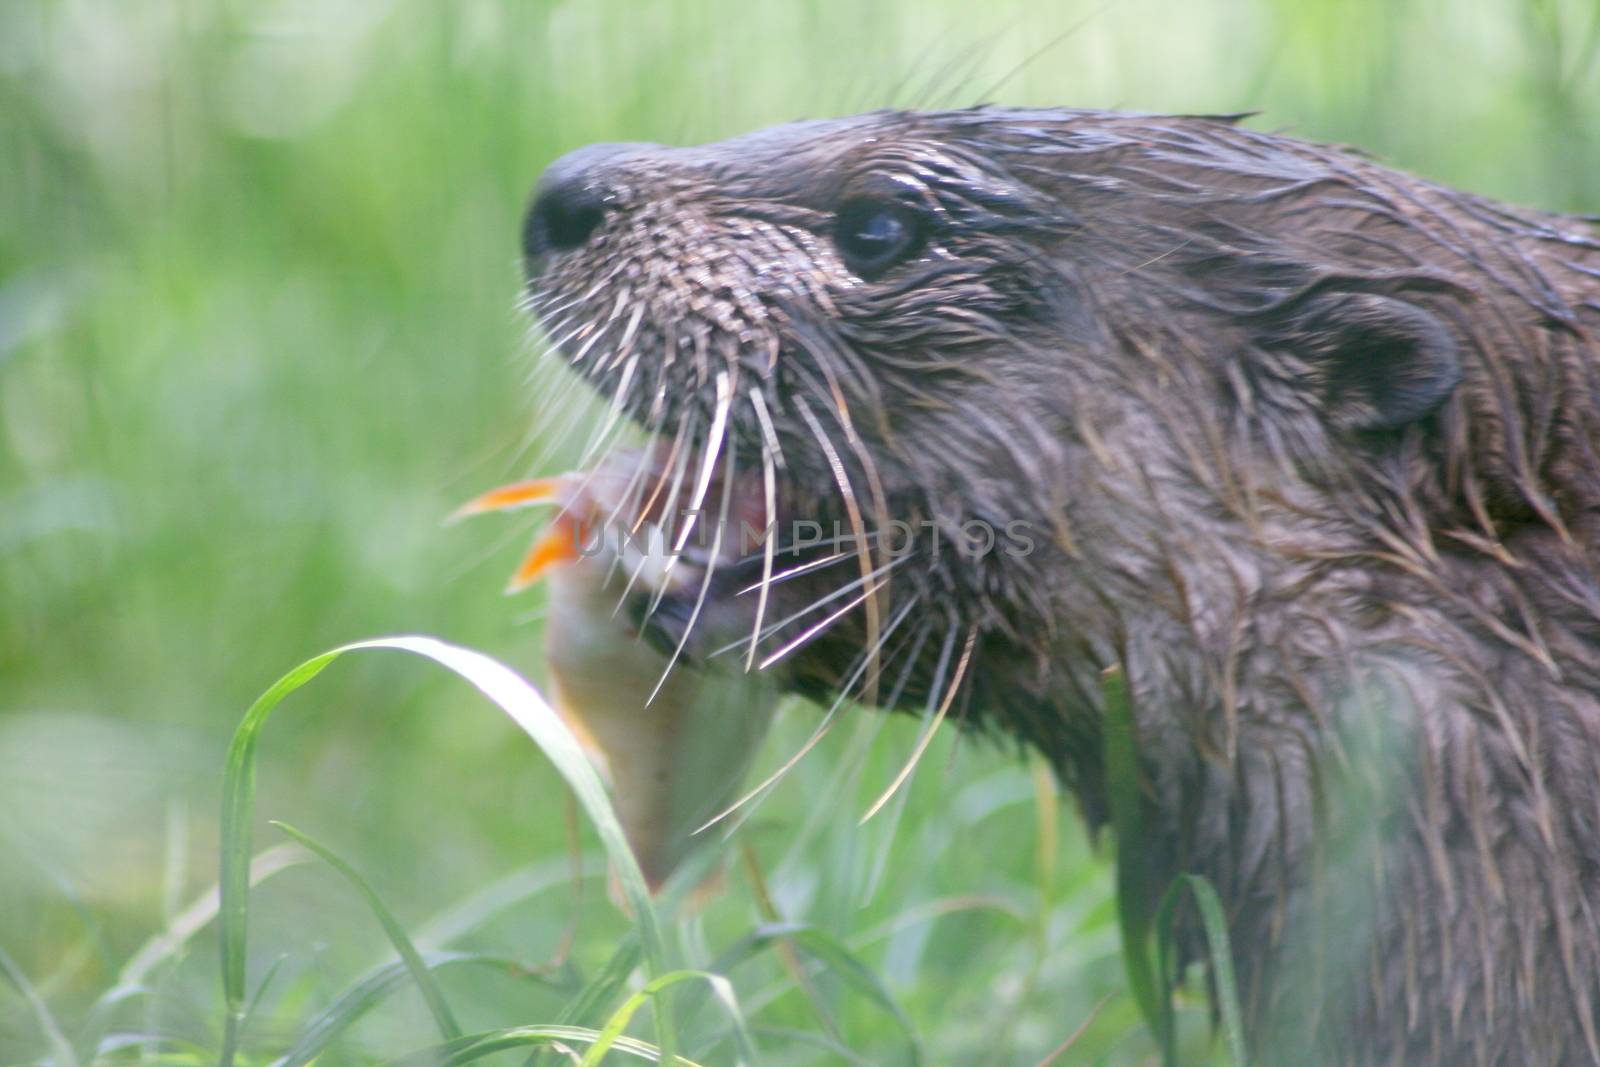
point(674, 746)
point(665, 544)
point(640, 509)
point(727, 441)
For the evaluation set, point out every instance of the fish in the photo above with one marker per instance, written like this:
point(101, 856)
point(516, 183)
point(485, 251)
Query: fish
point(673, 741)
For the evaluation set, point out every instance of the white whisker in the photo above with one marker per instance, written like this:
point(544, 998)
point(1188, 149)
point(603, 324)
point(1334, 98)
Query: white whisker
point(817, 735)
point(618, 402)
point(944, 706)
point(764, 417)
point(719, 426)
point(853, 510)
point(711, 569)
point(813, 631)
point(843, 590)
point(780, 577)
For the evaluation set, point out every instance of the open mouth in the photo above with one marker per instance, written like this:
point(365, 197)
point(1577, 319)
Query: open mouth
point(673, 744)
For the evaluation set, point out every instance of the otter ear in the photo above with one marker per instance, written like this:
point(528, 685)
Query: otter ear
point(1381, 363)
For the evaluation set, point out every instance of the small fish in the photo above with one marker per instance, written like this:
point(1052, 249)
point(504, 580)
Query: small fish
point(673, 760)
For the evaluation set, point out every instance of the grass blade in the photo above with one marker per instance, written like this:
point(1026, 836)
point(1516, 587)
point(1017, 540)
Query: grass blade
point(1136, 896)
point(1145, 929)
point(506, 689)
point(238, 803)
point(261, 990)
point(431, 993)
point(168, 943)
point(605, 984)
point(477, 1046)
point(620, 1018)
point(833, 955)
point(360, 998)
point(68, 893)
point(61, 1051)
point(1220, 950)
point(601, 988)
point(192, 919)
point(788, 955)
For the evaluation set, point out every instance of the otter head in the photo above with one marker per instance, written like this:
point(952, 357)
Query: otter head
point(866, 270)
point(1101, 343)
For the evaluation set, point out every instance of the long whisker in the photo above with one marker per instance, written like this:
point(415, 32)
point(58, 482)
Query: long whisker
point(779, 577)
point(764, 417)
point(676, 455)
point(559, 398)
point(618, 402)
point(670, 508)
point(568, 405)
point(719, 426)
point(627, 501)
point(817, 734)
point(818, 628)
point(857, 524)
point(595, 331)
point(711, 568)
point(933, 726)
point(668, 465)
point(493, 548)
point(771, 458)
point(625, 342)
point(912, 658)
point(821, 602)
point(829, 392)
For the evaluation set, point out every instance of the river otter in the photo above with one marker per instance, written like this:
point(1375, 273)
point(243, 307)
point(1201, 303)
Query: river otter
point(1307, 447)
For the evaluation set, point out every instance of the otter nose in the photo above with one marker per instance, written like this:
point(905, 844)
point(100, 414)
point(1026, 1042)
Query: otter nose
point(572, 200)
point(563, 216)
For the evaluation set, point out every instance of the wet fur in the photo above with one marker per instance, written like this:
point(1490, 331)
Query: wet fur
point(1308, 446)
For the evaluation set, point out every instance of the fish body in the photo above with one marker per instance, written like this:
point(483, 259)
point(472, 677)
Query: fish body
point(674, 741)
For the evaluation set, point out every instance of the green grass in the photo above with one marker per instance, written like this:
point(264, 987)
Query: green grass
point(257, 264)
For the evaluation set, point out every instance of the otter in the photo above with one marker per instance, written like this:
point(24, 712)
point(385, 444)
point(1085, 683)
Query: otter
point(1307, 447)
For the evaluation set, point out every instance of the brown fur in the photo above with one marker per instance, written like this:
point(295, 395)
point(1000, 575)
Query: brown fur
point(1308, 446)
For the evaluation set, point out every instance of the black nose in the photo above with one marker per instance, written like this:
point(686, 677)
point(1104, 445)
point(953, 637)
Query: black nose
point(563, 216)
point(573, 198)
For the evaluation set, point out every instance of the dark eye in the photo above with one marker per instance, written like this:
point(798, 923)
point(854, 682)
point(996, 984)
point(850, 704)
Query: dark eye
point(874, 235)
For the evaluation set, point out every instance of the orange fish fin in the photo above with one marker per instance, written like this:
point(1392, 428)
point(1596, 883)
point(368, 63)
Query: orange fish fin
point(515, 495)
point(558, 545)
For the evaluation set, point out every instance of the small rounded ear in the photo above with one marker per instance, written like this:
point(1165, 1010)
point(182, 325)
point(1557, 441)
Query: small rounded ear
point(1380, 362)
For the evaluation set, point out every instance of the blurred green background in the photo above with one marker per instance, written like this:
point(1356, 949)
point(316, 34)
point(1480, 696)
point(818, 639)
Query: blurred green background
point(257, 270)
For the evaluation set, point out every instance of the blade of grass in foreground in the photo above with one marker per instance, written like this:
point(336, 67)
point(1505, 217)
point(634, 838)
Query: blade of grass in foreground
point(1146, 929)
point(60, 1049)
point(601, 990)
point(622, 1016)
point(605, 984)
point(836, 958)
point(1136, 896)
point(517, 699)
point(449, 1029)
point(1219, 947)
point(362, 997)
point(168, 943)
point(477, 1046)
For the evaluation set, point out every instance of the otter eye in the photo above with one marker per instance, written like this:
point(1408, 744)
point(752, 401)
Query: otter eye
point(874, 235)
